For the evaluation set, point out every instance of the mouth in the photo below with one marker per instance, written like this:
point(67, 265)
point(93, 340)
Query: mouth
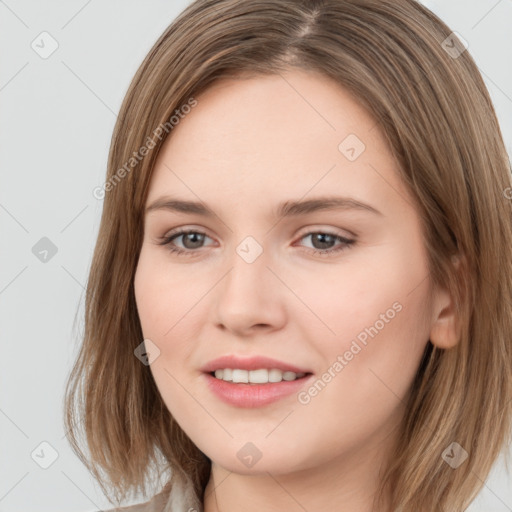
point(254, 381)
point(242, 391)
point(257, 377)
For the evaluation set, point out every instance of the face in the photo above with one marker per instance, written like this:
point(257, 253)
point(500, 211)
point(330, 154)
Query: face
point(335, 290)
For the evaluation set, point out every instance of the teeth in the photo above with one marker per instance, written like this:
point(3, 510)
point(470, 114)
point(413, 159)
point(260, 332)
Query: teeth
point(240, 376)
point(275, 375)
point(261, 376)
point(257, 376)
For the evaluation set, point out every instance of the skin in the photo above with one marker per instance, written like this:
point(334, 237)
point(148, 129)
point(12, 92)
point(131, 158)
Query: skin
point(248, 145)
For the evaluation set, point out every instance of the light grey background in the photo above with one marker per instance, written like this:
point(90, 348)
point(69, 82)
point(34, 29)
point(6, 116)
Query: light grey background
point(57, 117)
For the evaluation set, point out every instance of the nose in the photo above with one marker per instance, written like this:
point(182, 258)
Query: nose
point(250, 299)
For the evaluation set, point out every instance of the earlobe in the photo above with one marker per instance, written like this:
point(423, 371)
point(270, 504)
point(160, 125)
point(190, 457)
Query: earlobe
point(445, 330)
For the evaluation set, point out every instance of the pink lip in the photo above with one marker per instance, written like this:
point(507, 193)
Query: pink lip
point(250, 363)
point(253, 395)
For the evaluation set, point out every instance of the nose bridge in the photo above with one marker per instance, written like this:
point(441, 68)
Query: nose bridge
point(248, 268)
point(247, 296)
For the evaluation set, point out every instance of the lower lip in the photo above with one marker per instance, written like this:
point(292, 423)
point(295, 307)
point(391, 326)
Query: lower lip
point(253, 395)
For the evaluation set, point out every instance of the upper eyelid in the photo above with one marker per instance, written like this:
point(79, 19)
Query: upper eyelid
point(307, 230)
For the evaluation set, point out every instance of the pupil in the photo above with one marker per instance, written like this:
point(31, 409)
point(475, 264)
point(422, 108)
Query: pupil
point(321, 236)
point(188, 237)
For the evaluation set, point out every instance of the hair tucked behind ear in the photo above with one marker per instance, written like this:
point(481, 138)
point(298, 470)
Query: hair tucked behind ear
point(434, 110)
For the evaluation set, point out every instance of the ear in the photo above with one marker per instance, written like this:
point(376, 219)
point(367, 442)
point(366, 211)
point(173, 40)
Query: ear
point(445, 328)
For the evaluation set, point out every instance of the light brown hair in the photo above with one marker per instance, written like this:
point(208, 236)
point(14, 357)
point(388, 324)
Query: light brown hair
point(436, 114)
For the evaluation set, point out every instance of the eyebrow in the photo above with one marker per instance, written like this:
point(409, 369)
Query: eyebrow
point(289, 208)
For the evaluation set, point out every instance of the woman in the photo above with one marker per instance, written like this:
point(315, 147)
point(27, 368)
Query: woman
point(339, 336)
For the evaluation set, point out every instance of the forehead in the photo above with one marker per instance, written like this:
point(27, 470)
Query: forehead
point(263, 138)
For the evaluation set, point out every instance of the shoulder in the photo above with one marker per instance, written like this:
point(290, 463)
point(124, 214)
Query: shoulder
point(156, 504)
point(180, 497)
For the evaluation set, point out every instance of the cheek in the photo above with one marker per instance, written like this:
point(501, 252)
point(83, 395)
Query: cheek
point(162, 294)
point(162, 307)
point(350, 298)
point(171, 307)
point(387, 318)
point(376, 314)
point(369, 365)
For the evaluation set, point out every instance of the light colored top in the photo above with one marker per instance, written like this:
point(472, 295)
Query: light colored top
point(178, 498)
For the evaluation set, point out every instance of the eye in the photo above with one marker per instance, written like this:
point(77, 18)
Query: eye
point(323, 241)
point(193, 239)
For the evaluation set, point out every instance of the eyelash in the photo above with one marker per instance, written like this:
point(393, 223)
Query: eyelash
point(167, 240)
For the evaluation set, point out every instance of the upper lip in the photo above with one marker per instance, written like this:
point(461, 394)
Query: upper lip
point(250, 363)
